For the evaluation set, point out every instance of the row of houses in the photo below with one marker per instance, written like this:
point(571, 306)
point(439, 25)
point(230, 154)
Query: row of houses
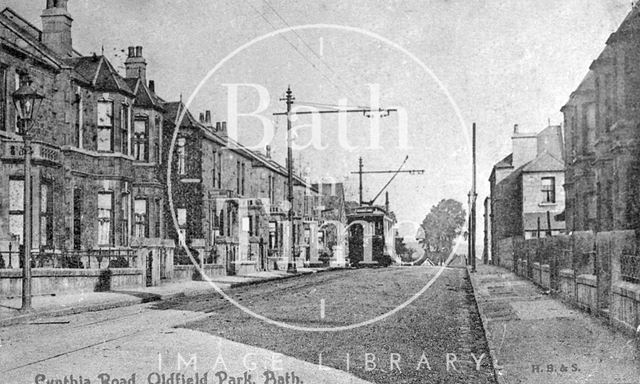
point(101, 143)
point(589, 179)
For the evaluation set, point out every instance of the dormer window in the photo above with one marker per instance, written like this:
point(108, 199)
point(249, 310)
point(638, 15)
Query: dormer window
point(105, 125)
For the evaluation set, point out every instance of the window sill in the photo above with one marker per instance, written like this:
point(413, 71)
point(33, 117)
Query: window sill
point(96, 153)
point(547, 204)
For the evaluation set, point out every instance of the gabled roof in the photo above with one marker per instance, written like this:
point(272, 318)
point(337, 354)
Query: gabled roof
point(98, 72)
point(173, 109)
point(545, 162)
point(144, 97)
point(507, 162)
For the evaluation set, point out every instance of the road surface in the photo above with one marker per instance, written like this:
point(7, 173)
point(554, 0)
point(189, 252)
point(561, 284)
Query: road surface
point(436, 338)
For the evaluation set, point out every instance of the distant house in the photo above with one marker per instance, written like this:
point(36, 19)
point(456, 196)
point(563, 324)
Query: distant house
point(526, 188)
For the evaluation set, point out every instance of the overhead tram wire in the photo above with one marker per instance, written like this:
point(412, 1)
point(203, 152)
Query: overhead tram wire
point(297, 50)
point(346, 90)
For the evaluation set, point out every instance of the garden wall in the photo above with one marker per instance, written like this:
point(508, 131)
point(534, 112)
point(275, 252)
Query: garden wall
point(597, 272)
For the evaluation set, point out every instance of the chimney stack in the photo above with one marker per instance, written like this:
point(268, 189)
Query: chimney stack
point(56, 28)
point(524, 147)
point(136, 65)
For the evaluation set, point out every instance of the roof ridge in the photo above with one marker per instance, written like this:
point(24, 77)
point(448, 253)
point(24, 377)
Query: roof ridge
point(40, 47)
point(16, 14)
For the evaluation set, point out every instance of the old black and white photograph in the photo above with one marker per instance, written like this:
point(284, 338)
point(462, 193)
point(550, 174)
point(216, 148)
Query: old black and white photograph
point(301, 192)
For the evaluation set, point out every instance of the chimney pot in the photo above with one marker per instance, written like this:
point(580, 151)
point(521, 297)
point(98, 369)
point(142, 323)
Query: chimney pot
point(136, 65)
point(152, 86)
point(515, 128)
point(224, 126)
point(207, 117)
point(217, 126)
point(268, 151)
point(201, 117)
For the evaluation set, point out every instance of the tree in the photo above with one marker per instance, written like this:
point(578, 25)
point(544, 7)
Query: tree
point(442, 225)
point(405, 253)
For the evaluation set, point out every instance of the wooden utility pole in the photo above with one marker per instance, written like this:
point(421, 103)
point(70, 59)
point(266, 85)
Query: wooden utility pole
point(474, 195)
point(291, 263)
point(360, 175)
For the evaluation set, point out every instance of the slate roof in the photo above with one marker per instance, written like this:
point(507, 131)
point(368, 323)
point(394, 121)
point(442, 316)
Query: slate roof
point(507, 162)
point(99, 73)
point(94, 70)
point(173, 108)
point(144, 97)
point(545, 162)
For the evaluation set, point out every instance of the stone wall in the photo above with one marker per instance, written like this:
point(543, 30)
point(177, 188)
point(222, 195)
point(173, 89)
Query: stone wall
point(583, 269)
point(46, 281)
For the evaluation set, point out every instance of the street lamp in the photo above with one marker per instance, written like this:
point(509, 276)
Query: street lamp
point(27, 101)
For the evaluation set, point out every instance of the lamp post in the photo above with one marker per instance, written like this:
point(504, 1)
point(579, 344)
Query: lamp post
point(26, 101)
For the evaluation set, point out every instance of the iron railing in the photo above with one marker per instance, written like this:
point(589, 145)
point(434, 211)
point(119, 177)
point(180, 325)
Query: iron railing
point(88, 259)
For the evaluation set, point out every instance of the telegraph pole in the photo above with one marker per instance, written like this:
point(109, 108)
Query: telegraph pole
point(360, 175)
point(474, 195)
point(291, 263)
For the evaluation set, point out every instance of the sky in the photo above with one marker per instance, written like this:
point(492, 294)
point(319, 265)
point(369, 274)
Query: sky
point(493, 62)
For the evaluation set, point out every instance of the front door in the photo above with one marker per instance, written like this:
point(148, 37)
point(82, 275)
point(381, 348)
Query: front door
point(231, 258)
point(149, 281)
point(262, 256)
point(77, 219)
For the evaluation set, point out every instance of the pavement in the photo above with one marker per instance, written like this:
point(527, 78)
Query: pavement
point(89, 301)
point(536, 338)
point(140, 344)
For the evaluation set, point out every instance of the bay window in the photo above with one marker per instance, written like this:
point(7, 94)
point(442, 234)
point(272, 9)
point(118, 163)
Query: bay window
point(16, 209)
point(141, 140)
point(105, 125)
point(141, 217)
point(105, 211)
point(182, 225)
point(46, 216)
point(124, 129)
point(182, 161)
